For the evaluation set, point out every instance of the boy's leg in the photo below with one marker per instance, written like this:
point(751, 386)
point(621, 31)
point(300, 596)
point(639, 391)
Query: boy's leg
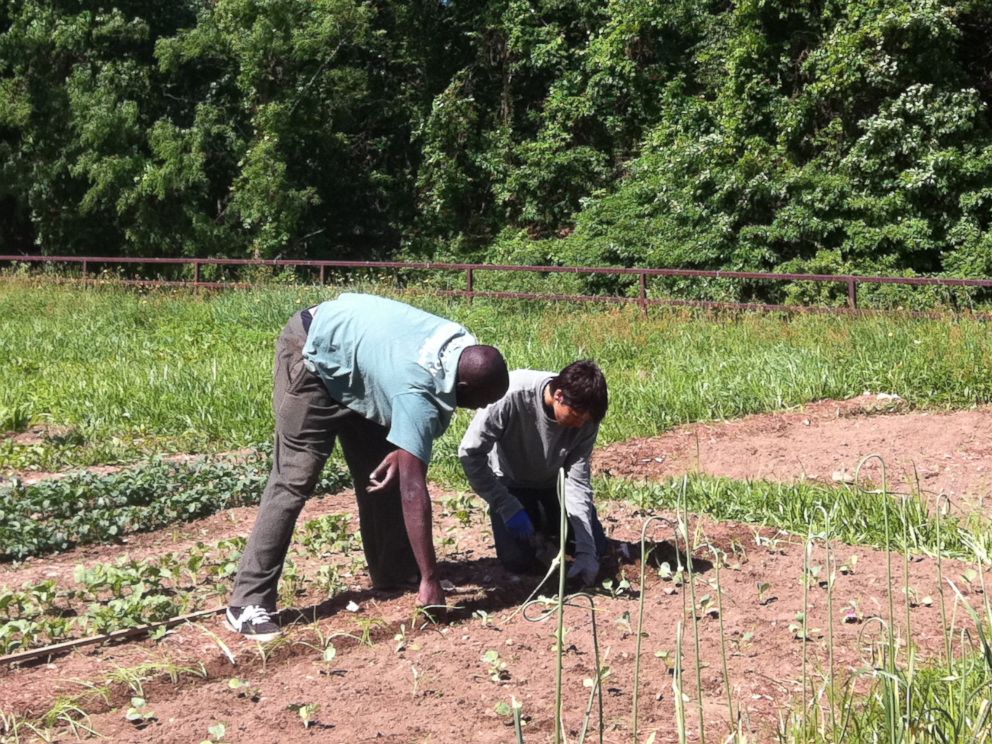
point(384, 539)
point(516, 555)
point(306, 420)
point(551, 514)
point(599, 535)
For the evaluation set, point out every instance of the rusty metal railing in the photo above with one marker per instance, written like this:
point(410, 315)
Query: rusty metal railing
point(850, 281)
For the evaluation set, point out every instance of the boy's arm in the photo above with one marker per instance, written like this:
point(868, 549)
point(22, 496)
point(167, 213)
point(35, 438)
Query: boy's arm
point(581, 508)
point(486, 429)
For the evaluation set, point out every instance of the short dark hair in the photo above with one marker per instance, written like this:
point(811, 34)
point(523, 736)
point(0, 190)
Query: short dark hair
point(583, 387)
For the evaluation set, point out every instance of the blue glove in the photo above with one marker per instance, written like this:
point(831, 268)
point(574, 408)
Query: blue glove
point(520, 526)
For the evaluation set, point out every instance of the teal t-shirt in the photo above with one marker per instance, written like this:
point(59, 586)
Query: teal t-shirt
point(391, 363)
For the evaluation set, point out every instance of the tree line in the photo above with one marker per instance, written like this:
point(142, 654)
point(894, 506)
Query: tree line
point(790, 135)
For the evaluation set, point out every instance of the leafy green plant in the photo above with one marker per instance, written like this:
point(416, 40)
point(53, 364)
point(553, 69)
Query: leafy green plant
point(244, 689)
point(495, 666)
point(139, 713)
point(307, 712)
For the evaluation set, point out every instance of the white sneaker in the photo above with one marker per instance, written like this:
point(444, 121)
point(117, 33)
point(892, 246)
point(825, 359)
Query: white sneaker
point(253, 622)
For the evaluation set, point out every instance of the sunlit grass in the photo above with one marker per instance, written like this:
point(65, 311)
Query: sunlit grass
point(125, 373)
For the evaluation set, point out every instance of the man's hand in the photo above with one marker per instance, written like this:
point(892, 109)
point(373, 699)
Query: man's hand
point(585, 568)
point(430, 594)
point(520, 526)
point(386, 474)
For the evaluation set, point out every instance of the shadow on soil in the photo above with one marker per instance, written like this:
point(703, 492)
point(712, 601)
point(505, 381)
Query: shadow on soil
point(501, 588)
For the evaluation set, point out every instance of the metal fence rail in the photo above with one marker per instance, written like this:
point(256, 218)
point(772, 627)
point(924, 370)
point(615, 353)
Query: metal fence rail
point(850, 281)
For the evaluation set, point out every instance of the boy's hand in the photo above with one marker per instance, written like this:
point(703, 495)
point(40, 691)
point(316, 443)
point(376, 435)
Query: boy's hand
point(585, 568)
point(520, 526)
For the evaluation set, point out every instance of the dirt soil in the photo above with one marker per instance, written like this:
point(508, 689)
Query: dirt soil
point(926, 452)
point(413, 681)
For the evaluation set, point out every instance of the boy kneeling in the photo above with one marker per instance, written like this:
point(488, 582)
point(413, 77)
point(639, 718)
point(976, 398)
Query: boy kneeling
point(512, 452)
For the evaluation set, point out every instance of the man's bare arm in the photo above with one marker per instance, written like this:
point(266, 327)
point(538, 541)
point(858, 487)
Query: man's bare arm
point(412, 475)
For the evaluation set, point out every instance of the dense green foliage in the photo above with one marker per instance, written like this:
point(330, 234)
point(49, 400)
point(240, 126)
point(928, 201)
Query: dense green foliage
point(830, 136)
point(84, 507)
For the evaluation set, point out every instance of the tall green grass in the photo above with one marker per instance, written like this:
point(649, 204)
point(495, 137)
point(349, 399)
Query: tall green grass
point(121, 373)
point(848, 514)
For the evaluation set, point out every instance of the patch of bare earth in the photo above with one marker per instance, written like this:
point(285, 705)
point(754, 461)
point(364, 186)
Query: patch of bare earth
point(431, 684)
point(438, 688)
point(929, 452)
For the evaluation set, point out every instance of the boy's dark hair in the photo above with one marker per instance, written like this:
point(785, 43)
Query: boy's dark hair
point(583, 387)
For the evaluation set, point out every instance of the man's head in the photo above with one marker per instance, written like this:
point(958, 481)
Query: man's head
point(482, 376)
point(578, 394)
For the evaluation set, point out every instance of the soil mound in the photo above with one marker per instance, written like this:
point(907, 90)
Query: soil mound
point(928, 452)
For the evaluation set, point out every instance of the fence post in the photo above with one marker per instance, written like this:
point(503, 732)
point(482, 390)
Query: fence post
point(84, 270)
point(852, 294)
point(196, 272)
point(644, 293)
point(322, 267)
point(470, 284)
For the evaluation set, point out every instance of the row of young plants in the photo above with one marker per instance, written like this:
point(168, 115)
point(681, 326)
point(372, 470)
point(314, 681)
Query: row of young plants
point(105, 597)
point(85, 507)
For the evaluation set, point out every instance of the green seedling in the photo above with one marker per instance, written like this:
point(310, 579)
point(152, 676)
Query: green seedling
point(265, 650)
point(764, 597)
point(771, 544)
point(666, 659)
point(665, 573)
point(291, 583)
point(496, 667)
point(462, 507)
point(739, 553)
point(851, 614)
point(139, 713)
point(849, 566)
point(915, 600)
point(330, 534)
point(330, 581)
point(428, 614)
point(307, 712)
point(814, 575)
point(216, 733)
point(244, 689)
point(744, 642)
point(798, 632)
point(618, 589)
point(484, 617)
point(366, 625)
point(707, 607)
point(624, 622)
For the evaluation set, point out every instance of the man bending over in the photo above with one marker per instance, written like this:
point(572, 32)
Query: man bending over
point(384, 378)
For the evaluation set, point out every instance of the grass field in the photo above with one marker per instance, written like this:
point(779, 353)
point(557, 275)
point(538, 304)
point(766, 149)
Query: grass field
point(100, 375)
point(119, 373)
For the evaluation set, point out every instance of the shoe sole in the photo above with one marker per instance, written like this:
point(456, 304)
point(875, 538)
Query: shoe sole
point(261, 637)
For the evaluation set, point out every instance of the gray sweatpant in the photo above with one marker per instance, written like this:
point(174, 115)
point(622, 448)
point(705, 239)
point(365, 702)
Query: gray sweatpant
point(308, 421)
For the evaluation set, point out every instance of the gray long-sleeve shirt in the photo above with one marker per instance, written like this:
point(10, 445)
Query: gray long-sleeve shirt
point(515, 443)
